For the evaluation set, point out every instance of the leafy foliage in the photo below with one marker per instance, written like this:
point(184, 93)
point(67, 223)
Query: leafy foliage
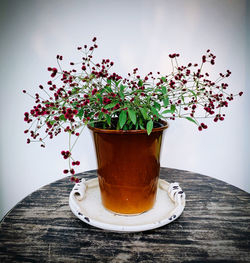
point(89, 93)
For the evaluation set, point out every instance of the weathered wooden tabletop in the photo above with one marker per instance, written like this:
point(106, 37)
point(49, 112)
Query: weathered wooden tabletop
point(214, 227)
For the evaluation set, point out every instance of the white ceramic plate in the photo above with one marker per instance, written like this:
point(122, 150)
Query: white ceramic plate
point(85, 203)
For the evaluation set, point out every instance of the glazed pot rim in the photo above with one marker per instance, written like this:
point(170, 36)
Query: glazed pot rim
point(99, 130)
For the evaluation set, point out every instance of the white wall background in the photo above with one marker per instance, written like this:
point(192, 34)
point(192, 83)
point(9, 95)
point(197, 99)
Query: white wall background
point(132, 33)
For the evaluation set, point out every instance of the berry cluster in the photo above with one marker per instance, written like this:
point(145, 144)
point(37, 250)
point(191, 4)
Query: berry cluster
point(90, 93)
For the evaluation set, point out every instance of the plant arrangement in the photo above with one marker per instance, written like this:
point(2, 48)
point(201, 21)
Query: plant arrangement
point(91, 94)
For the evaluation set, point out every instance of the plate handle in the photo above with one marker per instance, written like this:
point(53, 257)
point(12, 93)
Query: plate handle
point(79, 190)
point(176, 194)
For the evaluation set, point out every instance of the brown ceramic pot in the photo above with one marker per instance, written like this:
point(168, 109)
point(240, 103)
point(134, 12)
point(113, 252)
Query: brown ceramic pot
point(128, 168)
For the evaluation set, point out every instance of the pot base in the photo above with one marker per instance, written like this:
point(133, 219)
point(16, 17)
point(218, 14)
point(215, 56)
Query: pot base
point(127, 199)
point(119, 214)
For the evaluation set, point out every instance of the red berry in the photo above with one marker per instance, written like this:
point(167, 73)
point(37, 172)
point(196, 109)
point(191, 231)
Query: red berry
point(204, 126)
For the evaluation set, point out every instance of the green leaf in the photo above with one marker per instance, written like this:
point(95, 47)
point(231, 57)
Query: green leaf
point(190, 119)
point(121, 94)
point(101, 91)
point(62, 118)
point(157, 105)
point(144, 113)
point(141, 126)
point(136, 126)
point(163, 79)
point(155, 112)
point(100, 116)
point(99, 97)
point(132, 115)
point(121, 91)
point(108, 88)
point(125, 128)
point(164, 90)
point(52, 122)
point(129, 124)
point(140, 83)
point(193, 93)
point(110, 105)
point(109, 81)
point(166, 102)
point(108, 118)
point(80, 113)
point(172, 108)
point(149, 126)
point(117, 83)
point(90, 114)
point(166, 111)
point(122, 118)
point(122, 88)
point(75, 90)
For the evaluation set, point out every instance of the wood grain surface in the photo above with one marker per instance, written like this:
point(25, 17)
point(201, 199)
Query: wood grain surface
point(214, 227)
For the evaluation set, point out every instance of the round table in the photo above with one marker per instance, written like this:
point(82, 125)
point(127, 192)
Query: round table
point(214, 227)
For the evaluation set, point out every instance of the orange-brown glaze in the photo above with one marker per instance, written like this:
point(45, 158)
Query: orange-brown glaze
point(128, 169)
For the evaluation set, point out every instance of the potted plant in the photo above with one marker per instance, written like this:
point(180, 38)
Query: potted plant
point(127, 116)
